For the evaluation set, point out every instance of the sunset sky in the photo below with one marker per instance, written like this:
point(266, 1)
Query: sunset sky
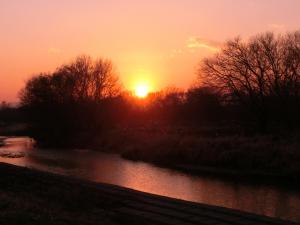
point(158, 42)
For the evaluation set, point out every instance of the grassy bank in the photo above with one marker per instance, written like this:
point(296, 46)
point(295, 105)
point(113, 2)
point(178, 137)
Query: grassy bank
point(207, 151)
point(224, 151)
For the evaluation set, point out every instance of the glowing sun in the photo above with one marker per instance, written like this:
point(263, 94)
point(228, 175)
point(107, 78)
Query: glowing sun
point(141, 90)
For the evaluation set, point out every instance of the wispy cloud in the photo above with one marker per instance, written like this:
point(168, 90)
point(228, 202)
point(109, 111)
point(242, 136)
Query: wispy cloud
point(198, 42)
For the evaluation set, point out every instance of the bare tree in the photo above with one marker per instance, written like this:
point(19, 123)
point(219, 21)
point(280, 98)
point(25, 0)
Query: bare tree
point(265, 67)
point(81, 80)
point(78, 97)
point(104, 80)
point(37, 91)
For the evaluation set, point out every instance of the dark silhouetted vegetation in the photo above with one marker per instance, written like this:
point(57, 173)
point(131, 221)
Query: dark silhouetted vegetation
point(12, 121)
point(262, 75)
point(247, 93)
point(74, 101)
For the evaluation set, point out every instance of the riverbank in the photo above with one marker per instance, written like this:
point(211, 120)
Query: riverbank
point(272, 158)
point(31, 197)
point(190, 155)
point(212, 151)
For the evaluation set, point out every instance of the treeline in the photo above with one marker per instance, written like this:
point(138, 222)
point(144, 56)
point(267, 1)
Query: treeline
point(9, 114)
point(253, 85)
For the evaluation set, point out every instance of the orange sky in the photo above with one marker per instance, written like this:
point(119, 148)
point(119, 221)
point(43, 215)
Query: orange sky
point(158, 41)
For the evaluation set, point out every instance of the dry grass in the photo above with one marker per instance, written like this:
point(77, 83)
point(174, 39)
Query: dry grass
point(173, 146)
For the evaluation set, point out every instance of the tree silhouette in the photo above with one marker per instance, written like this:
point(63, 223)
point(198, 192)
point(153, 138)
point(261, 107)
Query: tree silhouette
point(83, 80)
point(75, 98)
point(257, 73)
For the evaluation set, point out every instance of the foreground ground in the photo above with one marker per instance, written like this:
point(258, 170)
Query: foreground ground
point(32, 197)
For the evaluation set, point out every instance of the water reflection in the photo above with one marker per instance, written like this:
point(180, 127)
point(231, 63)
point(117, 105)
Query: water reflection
point(110, 168)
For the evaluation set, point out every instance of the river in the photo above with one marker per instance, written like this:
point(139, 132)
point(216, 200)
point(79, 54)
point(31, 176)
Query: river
point(111, 168)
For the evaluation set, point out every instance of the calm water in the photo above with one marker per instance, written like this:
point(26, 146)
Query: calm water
point(110, 168)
